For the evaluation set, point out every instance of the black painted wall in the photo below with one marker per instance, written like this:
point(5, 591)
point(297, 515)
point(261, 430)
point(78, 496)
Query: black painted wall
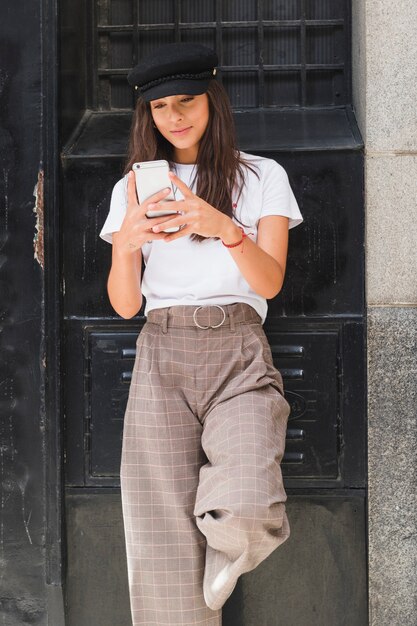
point(29, 547)
point(22, 373)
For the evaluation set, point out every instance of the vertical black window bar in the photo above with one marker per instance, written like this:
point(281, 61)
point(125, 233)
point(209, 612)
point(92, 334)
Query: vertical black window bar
point(104, 95)
point(261, 78)
point(347, 68)
point(303, 54)
point(93, 78)
point(177, 19)
point(135, 41)
point(272, 53)
point(219, 39)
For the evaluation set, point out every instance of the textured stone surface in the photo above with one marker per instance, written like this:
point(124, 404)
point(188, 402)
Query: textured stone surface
point(392, 439)
point(391, 230)
point(389, 75)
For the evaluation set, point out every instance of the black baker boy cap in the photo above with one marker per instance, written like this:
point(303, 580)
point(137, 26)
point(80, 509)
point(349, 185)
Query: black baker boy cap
point(172, 69)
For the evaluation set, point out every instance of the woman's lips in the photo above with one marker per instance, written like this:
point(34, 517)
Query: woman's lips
point(181, 132)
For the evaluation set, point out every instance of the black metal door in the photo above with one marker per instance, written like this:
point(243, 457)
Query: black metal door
point(292, 103)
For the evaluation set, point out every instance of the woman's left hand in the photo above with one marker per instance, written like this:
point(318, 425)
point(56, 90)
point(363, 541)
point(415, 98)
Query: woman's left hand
point(197, 216)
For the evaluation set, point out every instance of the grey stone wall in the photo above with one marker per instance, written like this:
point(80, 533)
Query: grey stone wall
point(385, 101)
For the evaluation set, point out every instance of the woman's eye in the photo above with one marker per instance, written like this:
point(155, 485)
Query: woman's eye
point(187, 99)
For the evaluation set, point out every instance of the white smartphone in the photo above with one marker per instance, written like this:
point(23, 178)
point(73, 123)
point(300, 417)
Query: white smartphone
point(151, 177)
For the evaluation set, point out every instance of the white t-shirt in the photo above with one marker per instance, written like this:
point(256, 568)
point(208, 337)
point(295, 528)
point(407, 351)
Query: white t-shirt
point(189, 272)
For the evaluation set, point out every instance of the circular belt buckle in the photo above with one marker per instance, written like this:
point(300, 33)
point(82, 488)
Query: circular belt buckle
point(216, 325)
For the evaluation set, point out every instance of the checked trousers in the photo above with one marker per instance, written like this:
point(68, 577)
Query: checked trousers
point(201, 485)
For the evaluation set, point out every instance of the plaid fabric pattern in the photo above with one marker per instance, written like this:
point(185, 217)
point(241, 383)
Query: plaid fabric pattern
point(201, 482)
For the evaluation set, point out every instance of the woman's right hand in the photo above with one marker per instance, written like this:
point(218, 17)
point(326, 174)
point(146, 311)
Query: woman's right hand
point(136, 228)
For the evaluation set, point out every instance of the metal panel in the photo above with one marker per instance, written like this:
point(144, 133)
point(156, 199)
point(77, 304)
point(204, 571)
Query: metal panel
point(307, 361)
point(111, 362)
point(324, 276)
point(325, 443)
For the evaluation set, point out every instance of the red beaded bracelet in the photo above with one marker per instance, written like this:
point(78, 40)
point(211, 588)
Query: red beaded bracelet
point(233, 245)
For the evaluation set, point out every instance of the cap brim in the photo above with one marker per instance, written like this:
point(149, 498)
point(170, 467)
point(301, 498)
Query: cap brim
point(176, 87)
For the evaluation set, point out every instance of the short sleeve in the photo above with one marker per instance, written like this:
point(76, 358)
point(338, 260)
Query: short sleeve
point(117, 211)
point(277, 196)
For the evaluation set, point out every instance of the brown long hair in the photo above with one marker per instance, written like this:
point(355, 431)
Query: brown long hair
point(219, 164)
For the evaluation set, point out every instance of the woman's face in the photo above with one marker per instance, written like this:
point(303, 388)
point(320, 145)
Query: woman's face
point(182, 120)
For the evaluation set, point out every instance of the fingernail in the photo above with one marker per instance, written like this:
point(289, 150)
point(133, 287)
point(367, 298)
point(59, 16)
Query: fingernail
point(151, 206)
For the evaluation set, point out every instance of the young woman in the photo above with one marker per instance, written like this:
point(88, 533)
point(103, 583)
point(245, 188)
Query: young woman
point(205, 424)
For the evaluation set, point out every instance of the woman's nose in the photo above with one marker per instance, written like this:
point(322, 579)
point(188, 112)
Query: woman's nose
point(175, 114)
